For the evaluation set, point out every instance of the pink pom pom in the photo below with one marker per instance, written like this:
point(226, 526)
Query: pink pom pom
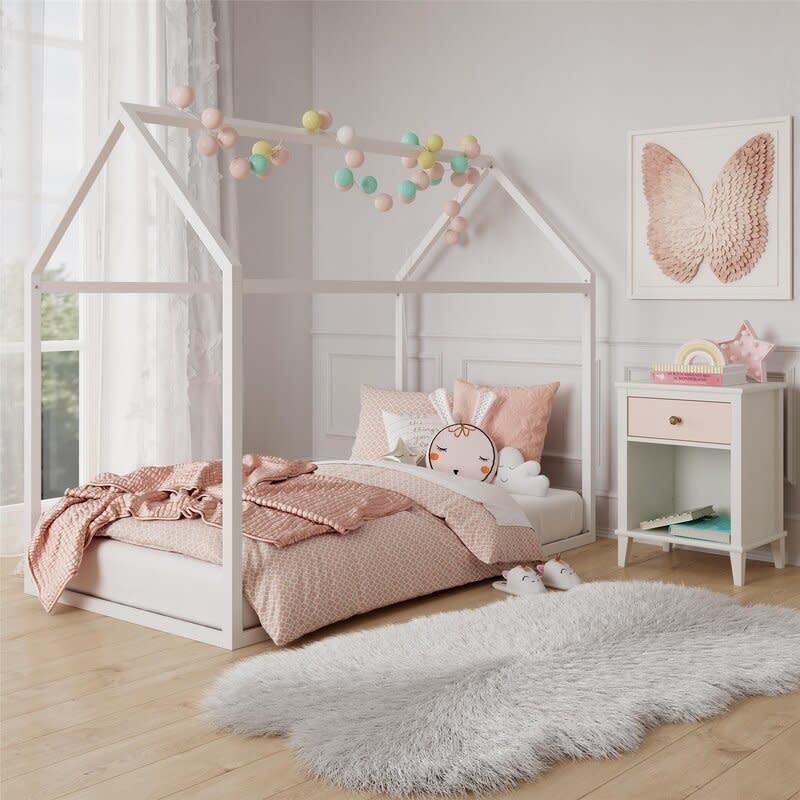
point(421, 179)
point(473, 175)
point(459, 224)
point(408, 200)
point(458, 178)
point(325, 119)
point(228, 137)
point(452, 208)
point(207, 145)
point(354, 158)
point(212, 118)
point(409, 162)
point(383, 202)
point(265, 174)
point(452, 237)
point(239, 168)
point(344, 188)
point(183, 96)
point(280, 157)
point(436, 171)
point(472, 150)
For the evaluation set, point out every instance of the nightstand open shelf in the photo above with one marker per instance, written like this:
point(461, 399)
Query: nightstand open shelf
point(685, 446)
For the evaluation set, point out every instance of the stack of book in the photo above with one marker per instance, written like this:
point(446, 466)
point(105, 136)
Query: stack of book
point(699, 374)
point(709, 529)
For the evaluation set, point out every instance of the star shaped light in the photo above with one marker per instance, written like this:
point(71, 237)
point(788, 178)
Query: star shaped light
point(746, 348)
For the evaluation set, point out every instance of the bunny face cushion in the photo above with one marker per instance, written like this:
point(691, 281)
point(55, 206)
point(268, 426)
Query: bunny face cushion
point(462, 448)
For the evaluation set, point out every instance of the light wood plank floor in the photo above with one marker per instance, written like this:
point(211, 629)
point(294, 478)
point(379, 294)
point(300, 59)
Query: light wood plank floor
point(96, 708)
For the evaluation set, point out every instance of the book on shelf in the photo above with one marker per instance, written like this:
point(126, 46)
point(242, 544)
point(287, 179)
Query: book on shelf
point(710, 529)
point(699, 374)
point(673, 519)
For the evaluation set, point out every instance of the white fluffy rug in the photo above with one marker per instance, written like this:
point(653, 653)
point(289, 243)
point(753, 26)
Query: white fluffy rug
point(479, 699)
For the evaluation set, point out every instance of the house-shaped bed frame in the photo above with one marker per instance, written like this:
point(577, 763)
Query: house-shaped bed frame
point(133, 119)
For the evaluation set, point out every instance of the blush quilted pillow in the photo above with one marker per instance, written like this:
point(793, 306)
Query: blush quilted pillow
point(371, 442)
point(518, 418)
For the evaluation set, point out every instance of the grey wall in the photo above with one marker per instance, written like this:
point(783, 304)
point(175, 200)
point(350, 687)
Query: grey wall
point(272, 80)
point(551, 89)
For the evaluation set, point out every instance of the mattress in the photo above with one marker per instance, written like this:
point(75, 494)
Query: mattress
point(559, 515)
point(176, 586)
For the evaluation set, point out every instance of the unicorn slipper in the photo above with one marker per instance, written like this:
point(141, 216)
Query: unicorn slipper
point(557, 574)
point(521, 580)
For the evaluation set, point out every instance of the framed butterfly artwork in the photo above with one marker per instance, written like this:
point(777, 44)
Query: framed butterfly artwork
point(710, 211)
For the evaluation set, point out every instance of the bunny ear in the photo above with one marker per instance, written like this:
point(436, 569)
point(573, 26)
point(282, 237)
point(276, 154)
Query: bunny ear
point(439, 401)
point(485, 402)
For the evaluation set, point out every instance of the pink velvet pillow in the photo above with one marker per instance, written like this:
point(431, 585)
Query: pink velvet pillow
point(518, 418)
point(371, 442)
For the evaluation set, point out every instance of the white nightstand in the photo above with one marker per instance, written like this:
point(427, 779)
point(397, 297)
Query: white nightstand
point(686, 446)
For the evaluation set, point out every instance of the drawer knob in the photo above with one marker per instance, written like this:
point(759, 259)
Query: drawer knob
point(675, 420)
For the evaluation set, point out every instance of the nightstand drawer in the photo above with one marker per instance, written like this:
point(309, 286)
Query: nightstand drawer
point(684, 420)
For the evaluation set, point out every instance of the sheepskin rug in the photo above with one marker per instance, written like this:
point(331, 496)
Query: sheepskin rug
point(477, 700)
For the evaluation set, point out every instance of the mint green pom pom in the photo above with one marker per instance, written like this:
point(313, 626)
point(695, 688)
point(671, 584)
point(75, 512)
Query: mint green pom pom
point(407, 189)
point(368, 184)
point(459, 164)
point(259, 164)
point(435, 181)
point(409, 137)
point(343, 177)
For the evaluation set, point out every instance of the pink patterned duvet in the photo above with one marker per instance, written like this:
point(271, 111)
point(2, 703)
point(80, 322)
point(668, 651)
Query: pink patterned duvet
point(440, 539)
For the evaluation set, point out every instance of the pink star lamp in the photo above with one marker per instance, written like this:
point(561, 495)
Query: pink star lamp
point(746, 348)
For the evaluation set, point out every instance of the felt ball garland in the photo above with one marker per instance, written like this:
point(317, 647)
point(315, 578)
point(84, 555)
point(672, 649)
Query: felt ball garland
point(217, 135)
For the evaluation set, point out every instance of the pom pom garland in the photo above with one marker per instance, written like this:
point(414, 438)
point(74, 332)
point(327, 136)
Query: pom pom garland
point(343, 177)
point(458, 179)
point(212, 118)
point(368, 184)
point(325, 119)
point(183, 96)
point(473, 175)
point(459, 164)
point(452, 208)
point(421, 179)
point(436, 171)
point(207, 145)
point(311, 121)
point(426, 159)
point(280, 157)
point(409, 137)
point(472, 150)
point(258, 164)
point(409, 162)
point(434, 143)
point(383, 202)
point(452, 237)
point(407, 190)
point(228, 137)
point(354, 158)
point(345, 135)
point(262, 148)
point(239, 168)
point(459, 224)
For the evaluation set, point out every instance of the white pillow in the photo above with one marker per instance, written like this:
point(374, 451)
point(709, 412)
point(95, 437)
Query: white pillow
point(416, 431)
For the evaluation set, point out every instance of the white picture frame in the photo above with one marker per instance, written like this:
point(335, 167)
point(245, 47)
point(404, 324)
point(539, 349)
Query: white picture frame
point(704, 149)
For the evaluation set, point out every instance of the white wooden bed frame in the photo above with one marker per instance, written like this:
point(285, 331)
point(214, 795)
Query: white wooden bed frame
point(133, 119)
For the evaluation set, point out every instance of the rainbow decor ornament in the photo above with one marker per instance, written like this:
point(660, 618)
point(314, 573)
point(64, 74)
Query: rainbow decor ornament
point(700, 351)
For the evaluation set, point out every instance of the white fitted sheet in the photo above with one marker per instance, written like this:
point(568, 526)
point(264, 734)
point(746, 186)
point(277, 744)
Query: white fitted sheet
point(155, 580)
point(556, 516)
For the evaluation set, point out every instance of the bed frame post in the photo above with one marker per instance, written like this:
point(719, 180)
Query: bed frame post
point(400, 343)
point(588, 410)
point(232, 401)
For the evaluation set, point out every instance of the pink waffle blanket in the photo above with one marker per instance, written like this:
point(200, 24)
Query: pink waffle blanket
point(283, 502)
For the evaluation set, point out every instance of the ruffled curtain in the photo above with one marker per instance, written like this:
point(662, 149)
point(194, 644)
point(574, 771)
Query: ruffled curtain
point(159, 357)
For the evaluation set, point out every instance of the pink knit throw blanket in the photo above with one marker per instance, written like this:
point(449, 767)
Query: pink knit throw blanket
point(283, 502)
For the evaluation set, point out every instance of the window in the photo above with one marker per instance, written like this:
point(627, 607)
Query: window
point(45, 124)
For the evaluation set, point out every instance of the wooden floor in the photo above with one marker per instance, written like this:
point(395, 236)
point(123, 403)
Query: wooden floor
point(98, 709)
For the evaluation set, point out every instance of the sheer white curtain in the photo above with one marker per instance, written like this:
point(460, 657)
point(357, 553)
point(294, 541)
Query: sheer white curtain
point(158, 357)
point(149, 381)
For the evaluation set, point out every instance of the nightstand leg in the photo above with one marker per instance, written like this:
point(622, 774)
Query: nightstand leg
point(779, 552)
point(666, 547)
point(623, 550)
point(738, 564)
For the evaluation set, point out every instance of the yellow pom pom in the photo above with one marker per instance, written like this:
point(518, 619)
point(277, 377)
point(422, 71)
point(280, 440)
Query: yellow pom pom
point(262, 148)
point(465, 140)
point(425, 160)
point(312, 121)
point(434, 143)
